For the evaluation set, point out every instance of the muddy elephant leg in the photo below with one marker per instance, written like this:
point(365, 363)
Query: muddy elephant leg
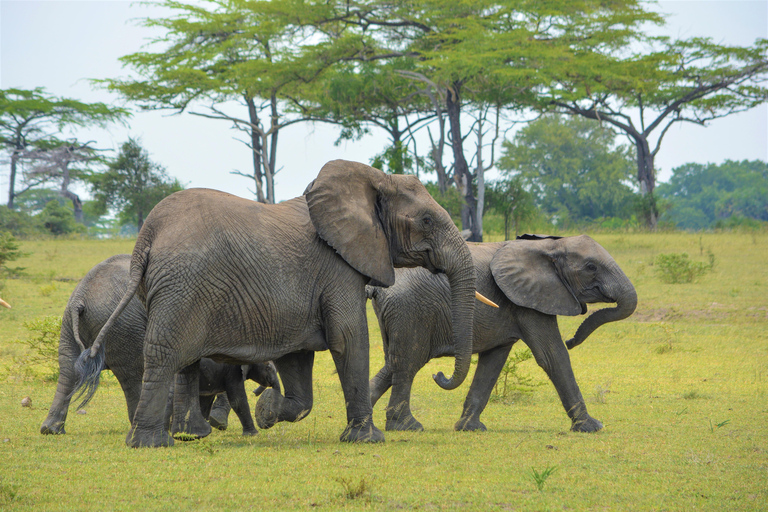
point(399, 415)
point(550, 353)
point(187, 417)
point(380, 383)
point(296, 373)
point(218, 416)
point(489, 365)
point(57, 414)
point(239, 401)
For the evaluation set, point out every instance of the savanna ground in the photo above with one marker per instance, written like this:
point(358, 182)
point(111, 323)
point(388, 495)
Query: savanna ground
point(681, 386)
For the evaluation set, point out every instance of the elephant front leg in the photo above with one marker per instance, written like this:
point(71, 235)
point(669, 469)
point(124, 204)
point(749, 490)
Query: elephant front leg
point(551, 354)
point(296, 373)
point(350, 354)
point(187, 417)
point(489, 365)
point(399, 415)
point(239, 401)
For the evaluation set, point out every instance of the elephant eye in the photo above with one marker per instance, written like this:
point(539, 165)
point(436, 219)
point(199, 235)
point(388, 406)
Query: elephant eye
point(427, 221)
point(591, 267)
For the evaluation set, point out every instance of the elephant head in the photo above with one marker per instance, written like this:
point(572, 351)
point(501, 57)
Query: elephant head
point(561, 276)
point(265, 374)
point(377, 222)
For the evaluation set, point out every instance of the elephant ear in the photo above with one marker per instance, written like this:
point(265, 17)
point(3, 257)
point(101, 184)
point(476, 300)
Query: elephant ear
point(344, 204)
point(526, 271)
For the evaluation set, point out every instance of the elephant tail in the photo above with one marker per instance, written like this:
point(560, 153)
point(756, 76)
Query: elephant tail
point(75, 315)
point(91, 362)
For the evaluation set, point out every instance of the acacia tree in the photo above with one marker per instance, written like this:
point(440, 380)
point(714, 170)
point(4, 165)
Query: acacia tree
point(60, 163)
point(690, 81)
point(132, 184)
point(485, 55)
point(31, 118)
point(222, 51)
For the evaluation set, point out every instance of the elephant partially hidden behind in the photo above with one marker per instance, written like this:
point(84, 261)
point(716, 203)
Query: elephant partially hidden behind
point(240, 281)
point(532, 281)
point(89, 307)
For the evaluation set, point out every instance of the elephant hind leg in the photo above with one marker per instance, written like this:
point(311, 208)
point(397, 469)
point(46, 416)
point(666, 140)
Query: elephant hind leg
point(399, 415)
point(380, 383)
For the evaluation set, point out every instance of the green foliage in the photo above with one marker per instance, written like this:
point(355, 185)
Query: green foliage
point(41, 359)
point(355, 489)
point(675, 268)
point(731, 194)
point(60, 220)
point(451, 200)
point(541, 478)
point(571, 168)
point(510, 198)
point(132, 185)
point(510, 379)
point(9, 251)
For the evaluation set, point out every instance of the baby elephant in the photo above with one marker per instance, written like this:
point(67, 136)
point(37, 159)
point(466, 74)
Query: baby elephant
point(89, 307)
point(217, 378)
point(532, 280)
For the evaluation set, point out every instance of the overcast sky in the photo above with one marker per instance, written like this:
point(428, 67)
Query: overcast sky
point(61, 44)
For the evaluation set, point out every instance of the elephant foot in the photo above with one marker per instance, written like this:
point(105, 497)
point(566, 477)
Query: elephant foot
point(408, 423)
point(268, 408)
point(589, 424)
point(218, 420)
point(198, 429)
point(469, 424)
point(148, 439)
point(362, 431)
point(52, 427)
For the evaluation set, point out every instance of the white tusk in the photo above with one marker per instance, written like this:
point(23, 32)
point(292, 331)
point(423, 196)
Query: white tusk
point(485, 300)
point(3, 303)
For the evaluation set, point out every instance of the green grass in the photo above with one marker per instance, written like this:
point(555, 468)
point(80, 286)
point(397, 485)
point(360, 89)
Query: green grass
point(686, 425)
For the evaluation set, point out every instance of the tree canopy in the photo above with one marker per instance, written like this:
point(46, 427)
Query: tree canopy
point(132, 184)
point(702, 195)
point(572, 167)
point(31, 119)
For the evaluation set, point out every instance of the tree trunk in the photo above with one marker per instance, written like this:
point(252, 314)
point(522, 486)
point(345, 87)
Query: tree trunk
point(77, 205)
point(461, 173)
point(12, 179)
point(647, 181)
point(253, 117)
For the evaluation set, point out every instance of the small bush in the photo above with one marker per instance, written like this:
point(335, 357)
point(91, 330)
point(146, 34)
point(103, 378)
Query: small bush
point(9, 251)
point(676, 268)
point(42, 359)
point(355, 490)
point(510, 379)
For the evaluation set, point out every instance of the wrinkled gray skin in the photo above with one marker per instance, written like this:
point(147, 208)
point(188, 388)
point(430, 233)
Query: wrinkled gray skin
point(89, 307)
point(532, 281)
point(240, 281)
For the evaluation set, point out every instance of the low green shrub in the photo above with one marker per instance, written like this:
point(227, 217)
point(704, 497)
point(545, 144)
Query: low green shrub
point(676, 268)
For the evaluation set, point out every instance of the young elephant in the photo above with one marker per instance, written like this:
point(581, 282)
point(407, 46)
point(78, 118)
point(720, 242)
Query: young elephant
point(89, 307)
point(216, 378)
point(532, 281)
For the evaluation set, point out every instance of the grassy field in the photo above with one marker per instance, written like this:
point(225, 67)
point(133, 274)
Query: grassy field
point(681, 386)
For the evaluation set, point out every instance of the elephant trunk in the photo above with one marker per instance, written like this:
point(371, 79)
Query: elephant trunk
point(626, 302)
point(461, 278)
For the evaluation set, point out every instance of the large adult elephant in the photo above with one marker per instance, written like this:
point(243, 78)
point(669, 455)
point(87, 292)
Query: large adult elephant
point(532, 281)
point(88, 309)
point(240, 281)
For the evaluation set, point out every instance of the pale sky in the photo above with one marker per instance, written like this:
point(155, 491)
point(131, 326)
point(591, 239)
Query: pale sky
point(61, 44)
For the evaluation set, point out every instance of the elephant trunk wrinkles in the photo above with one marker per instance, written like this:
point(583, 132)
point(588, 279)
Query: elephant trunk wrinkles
point(626, 302)
point(461, 278)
